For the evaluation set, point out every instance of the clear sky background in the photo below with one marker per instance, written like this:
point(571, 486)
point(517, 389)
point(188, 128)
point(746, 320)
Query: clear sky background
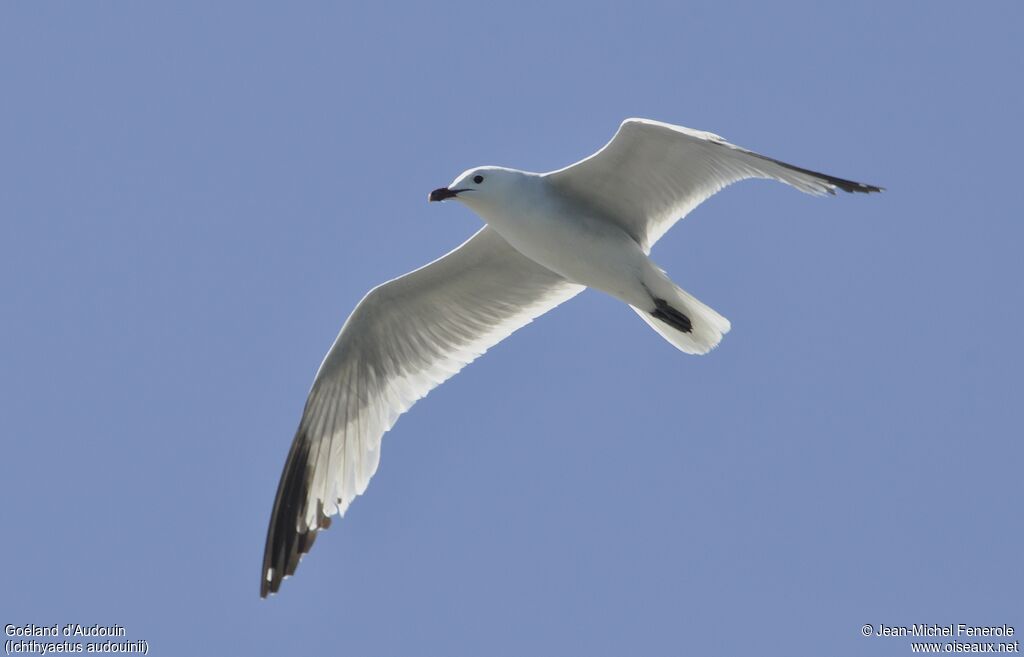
point(194, 196)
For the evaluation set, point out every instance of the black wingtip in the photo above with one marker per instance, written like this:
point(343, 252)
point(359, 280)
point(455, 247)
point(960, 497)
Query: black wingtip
point(285, 543)
point(854, 187)
point(850, 186)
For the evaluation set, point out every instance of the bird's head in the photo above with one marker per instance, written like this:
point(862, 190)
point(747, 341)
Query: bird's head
point(482, 187)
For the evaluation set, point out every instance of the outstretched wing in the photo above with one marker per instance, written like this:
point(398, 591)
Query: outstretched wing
point(403, 339)
point(652, 174)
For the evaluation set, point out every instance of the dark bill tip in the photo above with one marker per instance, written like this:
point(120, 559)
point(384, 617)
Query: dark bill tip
point(441, 193)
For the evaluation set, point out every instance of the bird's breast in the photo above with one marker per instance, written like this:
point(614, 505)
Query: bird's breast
point(582, 249)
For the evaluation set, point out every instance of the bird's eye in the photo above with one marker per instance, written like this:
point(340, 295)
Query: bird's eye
point(478, 179)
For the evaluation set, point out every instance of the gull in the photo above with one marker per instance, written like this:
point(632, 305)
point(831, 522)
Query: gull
point(547, 236)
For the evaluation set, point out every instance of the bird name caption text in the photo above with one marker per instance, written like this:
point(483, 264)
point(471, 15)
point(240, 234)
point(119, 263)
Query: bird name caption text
point(951, 638)
point(32, 639)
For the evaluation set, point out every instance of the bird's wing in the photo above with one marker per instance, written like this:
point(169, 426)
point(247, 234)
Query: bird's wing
point(403, 339)
point(652, 174)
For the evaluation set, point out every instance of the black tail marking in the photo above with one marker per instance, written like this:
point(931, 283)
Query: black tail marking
point(671, 316)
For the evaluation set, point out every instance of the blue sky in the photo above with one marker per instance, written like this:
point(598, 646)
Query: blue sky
point(194, 197)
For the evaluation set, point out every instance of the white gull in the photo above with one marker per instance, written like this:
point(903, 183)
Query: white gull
point(548, 236)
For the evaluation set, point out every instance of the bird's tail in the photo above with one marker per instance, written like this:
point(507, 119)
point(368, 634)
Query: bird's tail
point(680, 318)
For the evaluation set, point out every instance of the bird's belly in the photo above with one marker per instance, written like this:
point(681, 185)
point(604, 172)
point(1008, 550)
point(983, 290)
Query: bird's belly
point(583, 251)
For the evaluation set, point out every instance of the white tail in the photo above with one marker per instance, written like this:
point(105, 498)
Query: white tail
point(707, 326)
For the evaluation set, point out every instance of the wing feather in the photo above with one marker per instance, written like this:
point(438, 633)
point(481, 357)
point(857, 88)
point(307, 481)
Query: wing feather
point(652, 174)
point(404, 338)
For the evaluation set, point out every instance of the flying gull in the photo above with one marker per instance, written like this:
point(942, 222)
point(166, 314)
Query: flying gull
point(547, 237)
